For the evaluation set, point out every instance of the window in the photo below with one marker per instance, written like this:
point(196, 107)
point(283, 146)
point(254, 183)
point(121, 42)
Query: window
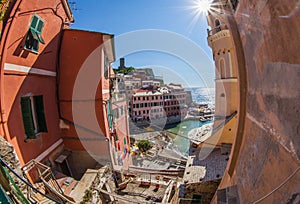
point(106, 66)
point(222, 68)
point(34, 35)
point(234, 4)
point(109, 114)
point(115, 113)
point(33, 116)
point(121, 110)
point(217, 25)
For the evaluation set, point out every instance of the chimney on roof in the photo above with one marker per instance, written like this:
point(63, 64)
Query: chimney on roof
point(122, 63)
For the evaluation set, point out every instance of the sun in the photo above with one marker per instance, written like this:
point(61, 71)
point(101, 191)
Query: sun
point(202, 6)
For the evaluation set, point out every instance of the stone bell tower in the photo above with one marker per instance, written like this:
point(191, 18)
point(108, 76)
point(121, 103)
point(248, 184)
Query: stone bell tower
point(220, 41)
point(226, 83)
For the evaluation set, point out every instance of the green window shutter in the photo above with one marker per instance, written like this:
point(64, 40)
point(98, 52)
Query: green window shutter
point(109, 115)
point(40, 26)
point(124, 140)
point(34, 22)
point(41, 120)
point(27, 117)
point(41, 40)
point(34, 36)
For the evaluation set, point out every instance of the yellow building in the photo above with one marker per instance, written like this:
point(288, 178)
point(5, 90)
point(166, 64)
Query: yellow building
point(226, 83)
point(263, 40)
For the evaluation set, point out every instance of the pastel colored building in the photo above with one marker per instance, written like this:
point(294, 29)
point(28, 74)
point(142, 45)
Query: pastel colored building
point(152, 103)
point(174, 101)
point(84, 97)
point(257, 100)
point(55, 89)
point(146, 104)
point(151, 83)
point(120, 139)
point(30, 42)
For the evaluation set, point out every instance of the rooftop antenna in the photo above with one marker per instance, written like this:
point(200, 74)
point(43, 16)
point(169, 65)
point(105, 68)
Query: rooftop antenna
point(73, 6)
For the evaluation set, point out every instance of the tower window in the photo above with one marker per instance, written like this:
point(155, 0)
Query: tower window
point(217, 25)
point(222, 68)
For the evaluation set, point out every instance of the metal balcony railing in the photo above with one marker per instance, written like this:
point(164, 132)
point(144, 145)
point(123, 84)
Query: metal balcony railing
point(217, 29)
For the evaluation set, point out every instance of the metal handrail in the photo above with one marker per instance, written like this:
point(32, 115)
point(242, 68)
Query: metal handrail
point(2, 162)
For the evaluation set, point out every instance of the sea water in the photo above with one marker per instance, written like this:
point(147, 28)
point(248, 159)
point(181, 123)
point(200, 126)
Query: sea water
point(180, 133)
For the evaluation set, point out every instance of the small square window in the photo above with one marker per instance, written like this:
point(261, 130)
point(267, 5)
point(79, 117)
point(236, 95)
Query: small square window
point(34, 34)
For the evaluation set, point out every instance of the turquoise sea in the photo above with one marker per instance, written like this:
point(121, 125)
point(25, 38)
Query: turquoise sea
point(180, 132)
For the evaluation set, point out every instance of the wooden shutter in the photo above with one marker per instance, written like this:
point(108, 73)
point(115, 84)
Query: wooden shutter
point(39, 106)
point(34, 22)
point(109, 114)
point(39, 31)
point(27, 117)
point(40, 26)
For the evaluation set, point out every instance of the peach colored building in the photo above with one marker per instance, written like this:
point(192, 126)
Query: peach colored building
point(84, 93)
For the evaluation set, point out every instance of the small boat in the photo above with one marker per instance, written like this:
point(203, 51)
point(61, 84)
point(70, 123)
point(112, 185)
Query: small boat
point(206, 118)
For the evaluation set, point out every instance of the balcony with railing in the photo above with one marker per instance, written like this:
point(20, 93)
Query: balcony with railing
point(217, 33)
point(217, 29)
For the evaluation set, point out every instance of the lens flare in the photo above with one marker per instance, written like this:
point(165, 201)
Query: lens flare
point(202, 6)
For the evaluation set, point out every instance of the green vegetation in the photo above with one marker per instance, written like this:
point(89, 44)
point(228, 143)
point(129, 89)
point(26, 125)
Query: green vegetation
point(124, 70)
point(144, 145)
point(87, 196)
point(4, 4)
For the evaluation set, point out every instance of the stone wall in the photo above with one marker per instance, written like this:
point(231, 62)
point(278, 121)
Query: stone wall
point(7, 153)
point(203, 190)
point(270, 150)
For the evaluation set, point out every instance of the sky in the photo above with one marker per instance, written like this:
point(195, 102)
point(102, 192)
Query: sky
point(164, 35)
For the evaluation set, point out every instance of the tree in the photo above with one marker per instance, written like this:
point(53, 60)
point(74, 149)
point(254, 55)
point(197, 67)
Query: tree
point(144, 145)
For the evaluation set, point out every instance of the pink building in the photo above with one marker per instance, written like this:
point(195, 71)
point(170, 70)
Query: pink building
point(174, 101)
point(119, 138)
point(146, 104)
point(168, 101)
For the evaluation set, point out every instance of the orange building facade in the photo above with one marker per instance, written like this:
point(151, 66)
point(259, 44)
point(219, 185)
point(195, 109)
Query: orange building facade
point(55, 88)
point(30, 42)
